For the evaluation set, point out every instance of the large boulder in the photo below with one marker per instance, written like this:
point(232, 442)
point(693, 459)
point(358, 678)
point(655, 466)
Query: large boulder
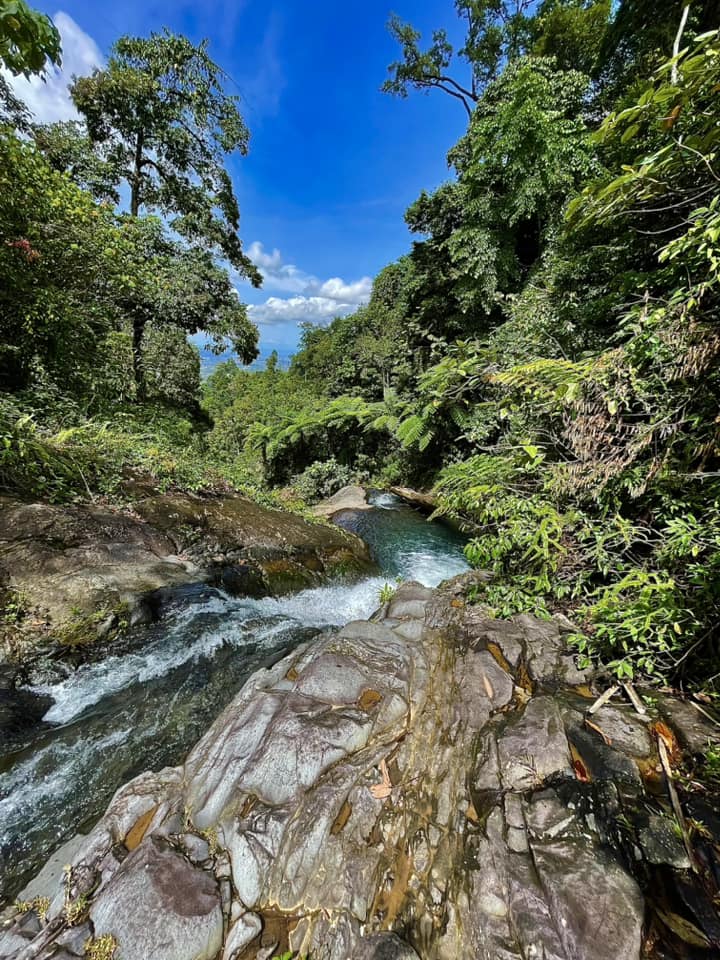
point(71, 567)
point(401, 788)
point(348, 498)
point(75, 571)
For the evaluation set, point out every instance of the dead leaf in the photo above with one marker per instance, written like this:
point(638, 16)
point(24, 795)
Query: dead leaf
point(581, 771)
point(683, 928)
point(596, 728)
point(341, 819)
point(138, 830)
point(671, 118)
point(672, 746)
point(488, 688)
point(471, 813)
point(456, 603)
point(383, 789)
point(369, 699)
point(292, 674)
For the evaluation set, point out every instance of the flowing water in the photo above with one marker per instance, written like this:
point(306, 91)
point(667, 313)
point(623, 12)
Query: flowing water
point(151, 697)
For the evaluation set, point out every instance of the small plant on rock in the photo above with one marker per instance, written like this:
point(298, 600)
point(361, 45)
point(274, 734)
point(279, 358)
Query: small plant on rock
point(386, 592)
point(101, 949)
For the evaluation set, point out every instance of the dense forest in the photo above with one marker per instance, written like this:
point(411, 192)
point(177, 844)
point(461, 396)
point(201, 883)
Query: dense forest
point(545, 357)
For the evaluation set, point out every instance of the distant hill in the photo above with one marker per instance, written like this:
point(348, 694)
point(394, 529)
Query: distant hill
point(209, 360)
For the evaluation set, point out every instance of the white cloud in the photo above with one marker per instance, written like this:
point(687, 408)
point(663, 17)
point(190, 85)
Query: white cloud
point(48, 98)
point(299, 310)
point(315, 300)
point(337, 289)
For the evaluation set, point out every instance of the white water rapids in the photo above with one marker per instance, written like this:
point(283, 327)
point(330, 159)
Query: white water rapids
point(144, 705)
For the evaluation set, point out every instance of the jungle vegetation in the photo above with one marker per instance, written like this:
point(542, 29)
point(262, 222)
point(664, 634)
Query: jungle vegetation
point(545, 357)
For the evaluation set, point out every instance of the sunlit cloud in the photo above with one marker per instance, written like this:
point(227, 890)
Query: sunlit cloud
point(48, 97)
point(314, 300)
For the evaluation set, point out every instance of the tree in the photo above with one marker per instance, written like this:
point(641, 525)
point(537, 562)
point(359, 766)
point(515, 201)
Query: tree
point(571, 31)
point(164, 125)
point(63, 266)
point(497, 31)
point(180, 286)
point(641, 35)
point(28, 39)
point(68, 149)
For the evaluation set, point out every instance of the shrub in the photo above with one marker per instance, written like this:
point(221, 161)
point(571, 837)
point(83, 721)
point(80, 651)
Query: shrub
point(322, 479)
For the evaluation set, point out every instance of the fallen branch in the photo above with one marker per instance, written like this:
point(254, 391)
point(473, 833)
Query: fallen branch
point(635, 699)
point(675, 800)
point(603, 699)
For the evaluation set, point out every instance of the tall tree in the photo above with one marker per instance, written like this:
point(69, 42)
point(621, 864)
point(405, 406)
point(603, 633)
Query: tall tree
point(162, 120)
point(497, 31)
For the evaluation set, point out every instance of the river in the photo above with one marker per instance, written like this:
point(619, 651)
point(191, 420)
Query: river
point(156, 692)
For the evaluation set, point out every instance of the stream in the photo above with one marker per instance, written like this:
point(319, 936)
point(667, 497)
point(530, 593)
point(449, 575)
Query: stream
point(156, 692)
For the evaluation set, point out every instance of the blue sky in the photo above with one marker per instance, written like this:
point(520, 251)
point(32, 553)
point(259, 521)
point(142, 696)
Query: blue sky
point(333, 162)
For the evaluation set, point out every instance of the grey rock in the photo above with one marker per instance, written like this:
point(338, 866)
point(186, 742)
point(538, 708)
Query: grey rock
point(384, 946)
point(387, 775)
point(159, 907)
point(244, 931)
point(695, 732)
point(660, 843)
point(348, 498)
point(48, 881)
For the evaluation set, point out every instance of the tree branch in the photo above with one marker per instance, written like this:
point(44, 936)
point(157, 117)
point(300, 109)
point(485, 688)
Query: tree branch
point(676, 46)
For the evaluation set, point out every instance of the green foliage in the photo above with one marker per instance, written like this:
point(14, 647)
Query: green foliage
point(497, 31)
point(386, 592)
point(62, 265)
point(322, 479)
point(158, 109)
point(28, 39)
point(571, 32)
point(578, 426)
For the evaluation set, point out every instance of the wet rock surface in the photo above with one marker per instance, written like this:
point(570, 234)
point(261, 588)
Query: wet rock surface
point(428, 784)
point(79, 571)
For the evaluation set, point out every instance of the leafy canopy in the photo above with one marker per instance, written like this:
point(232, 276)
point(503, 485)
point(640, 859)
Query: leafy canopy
point(28, 39)
point(165, 126)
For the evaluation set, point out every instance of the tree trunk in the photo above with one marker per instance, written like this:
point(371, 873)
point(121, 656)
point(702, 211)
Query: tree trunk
point(138, 366)
point(674, 77)
point(138, 322)
point(137, 176)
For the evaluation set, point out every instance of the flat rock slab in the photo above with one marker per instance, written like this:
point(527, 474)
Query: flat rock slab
point(80, 565)
point(160, 907)
point(349, 498)
point(87, 558)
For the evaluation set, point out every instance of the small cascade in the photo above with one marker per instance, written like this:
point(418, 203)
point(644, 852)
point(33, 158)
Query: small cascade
point(143, 705)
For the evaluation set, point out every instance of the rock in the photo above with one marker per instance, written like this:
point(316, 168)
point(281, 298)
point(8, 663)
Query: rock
point(387, 793)
point(159, 907)
point(83, 568)
point(695, 732)
point(244, 931)
point(349, 498)
point(385, 946)
point(47, 882)
point(661, 844)
point(417, 498)
point(264, 534)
